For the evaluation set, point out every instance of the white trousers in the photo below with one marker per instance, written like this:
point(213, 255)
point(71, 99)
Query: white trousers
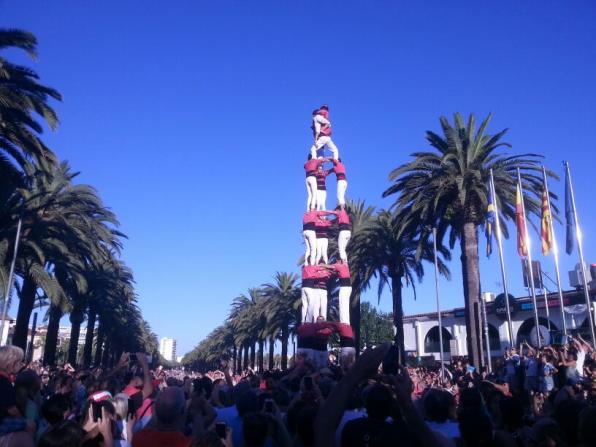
point(322, 245)
point(344, 304)
point(342, 243)
point(342, 186)
point(321, 303)
point(320, 199)
point(311, 189)
point(309, 304)
point(310, 240)
point(321, 143)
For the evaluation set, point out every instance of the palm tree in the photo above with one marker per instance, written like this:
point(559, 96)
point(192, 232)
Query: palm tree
point(389, 249)
point(64, 225)
point(244, 317)
point(446, 188)
point(283, 305)
point(22, 100)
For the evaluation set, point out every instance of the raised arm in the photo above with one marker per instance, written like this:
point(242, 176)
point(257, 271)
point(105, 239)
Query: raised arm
point(332, 410)
point(147, 384)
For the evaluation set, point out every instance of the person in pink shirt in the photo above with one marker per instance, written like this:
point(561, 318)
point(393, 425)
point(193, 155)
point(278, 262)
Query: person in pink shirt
point(321, 127)
point(309, 294)
point(321, 278)
point(322, 226)
point(342, 271)
point(310, 237)
point(311, 167)
point(345, 232)
point(342, 182)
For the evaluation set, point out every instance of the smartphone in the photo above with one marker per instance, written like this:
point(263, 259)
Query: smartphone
point(391, 361)
point(96, 411)
point(308, 383)
point(269, 406)
point(131, 409)
point(220, 429)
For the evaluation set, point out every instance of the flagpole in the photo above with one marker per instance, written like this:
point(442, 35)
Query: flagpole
point(438, 305)
point(529, 260)
point(502, 260)
point(555, 252)
point(486, 335)
point(580, 249)
point(10, 278)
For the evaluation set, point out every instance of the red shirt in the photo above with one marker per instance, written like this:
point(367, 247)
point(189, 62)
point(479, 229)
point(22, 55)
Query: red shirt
point(149, 437)
point(340, 170)
point(343, 217)
point(310, 217)
point(312, 165)
point(325, 128)
point(321, 222)
point(342, 270)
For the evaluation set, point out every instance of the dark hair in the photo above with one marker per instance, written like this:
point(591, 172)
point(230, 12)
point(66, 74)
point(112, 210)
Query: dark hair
point(246, 403)
point(437, 405)
point(475, 427)
point(54, 408)
point(305, 423)
point(254, 429)
point(66, 434)
point(378, 402)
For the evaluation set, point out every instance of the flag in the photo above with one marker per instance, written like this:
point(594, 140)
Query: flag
point(490, 222)
point(545, 225)
point(520, 221)
point(569, 217)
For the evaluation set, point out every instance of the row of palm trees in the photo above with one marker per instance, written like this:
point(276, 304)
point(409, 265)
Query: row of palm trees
point(69, 244)
point(443, 188)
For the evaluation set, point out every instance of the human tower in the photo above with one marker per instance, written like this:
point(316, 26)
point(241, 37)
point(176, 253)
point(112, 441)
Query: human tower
point(317, 273)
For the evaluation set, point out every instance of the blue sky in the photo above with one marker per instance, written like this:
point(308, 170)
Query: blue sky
point(192, 120)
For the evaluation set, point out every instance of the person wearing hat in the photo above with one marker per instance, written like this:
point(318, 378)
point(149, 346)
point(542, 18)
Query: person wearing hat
point(321, 127)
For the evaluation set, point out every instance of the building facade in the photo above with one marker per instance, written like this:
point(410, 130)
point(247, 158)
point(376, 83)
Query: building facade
point(167, 349)
point(421, 332)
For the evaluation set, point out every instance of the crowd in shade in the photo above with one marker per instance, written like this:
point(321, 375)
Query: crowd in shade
point(533, 397)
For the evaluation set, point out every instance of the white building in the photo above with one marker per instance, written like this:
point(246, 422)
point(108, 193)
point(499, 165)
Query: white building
point(421, 332)
point(167, 349)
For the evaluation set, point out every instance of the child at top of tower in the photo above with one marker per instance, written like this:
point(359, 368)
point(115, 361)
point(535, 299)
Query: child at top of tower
point(321, 127)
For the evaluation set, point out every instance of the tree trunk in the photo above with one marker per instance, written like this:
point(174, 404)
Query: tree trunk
point(234, 357)
point(261, 355)
point(239, 361)
point(99, 345)
point(245, 360)
point(284, 347)
point(49, 350)
point(26, 302)
point(355, 319)
point(471, 279)
point(271, 353)
point(76, 318)
point(252, 355)
point(89, 336)
point(105, 359)
point(398, 315)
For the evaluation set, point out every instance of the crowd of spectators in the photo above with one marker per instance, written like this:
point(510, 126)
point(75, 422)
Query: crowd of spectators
point(532, 397)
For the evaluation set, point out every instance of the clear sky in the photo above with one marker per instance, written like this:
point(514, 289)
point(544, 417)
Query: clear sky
point(192, 120)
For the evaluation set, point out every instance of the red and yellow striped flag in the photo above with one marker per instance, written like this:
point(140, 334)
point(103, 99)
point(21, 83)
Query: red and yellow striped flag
point(520, 221)
point(545, 226)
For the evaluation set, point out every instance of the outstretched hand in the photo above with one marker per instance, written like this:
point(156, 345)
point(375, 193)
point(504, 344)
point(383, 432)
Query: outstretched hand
point(369, 361)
